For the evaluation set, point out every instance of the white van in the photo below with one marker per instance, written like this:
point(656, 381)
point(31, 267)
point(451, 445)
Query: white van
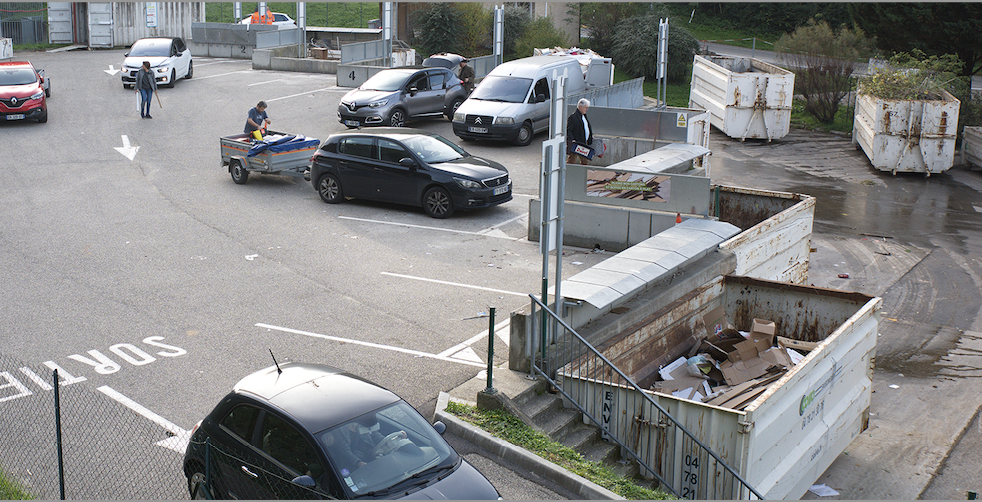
point(512, 102)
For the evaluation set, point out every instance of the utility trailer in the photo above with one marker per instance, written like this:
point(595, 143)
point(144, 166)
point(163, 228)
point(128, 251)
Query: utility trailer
point(277, 153)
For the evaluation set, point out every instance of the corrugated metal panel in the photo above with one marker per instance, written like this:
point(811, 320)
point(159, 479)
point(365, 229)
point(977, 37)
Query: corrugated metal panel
point(746, 98)
point(100, 24)
point(972, 146)
point(907, 135)
point(60, 22)
point(174, 19)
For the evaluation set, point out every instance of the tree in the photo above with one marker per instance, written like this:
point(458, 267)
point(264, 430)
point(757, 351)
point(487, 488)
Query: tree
point(635, 48)
point(824, 60)
point(438, 29)
point(600, 22)
point(540, 34)
point(935, 29)
point(516, 21)
point(474, 32)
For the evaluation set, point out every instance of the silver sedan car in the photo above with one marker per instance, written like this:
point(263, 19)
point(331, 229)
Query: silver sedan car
point(391, 97)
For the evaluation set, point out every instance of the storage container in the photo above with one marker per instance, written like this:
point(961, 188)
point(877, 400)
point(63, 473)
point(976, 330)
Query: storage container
point(745, 97)
point(907, 135)
point(972, 146)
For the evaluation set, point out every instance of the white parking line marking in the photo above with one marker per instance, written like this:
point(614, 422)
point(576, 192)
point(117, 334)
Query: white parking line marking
point(178, 442)
point(325, 89)
point(267, 82)
point(369, 344)
point(222, 74)
point(446, 283)
point(482, 233)
point(460, 346)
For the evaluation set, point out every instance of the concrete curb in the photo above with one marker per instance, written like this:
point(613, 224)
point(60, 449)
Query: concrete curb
point(579, 485)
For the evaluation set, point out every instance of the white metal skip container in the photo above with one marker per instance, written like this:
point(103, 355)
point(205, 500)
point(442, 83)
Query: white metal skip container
point(972, 146)
point(907, 135)
point(745, 97)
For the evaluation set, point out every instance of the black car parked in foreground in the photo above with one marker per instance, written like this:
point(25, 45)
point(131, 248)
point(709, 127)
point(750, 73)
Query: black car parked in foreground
point(407, 166)
point(308, 431)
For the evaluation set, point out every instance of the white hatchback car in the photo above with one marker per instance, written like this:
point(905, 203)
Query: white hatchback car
point(170, 59)
point(279, 19)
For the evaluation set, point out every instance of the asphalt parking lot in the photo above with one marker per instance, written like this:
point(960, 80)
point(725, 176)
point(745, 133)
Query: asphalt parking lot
point(101, 250)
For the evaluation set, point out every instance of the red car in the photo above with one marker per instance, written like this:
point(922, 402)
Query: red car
point(22, 92)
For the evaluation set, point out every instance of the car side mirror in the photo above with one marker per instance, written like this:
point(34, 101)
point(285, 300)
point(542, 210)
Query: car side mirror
point(407, 162)
point(540, 98)
point(413, 91)
point(439, 427)
point(126, 54)
point(305, 481)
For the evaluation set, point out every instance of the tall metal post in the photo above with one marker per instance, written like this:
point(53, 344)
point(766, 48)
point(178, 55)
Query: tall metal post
point(490, 389)
point(662, 62)
point(387, 32)
point(499, 30)
point(302, 26)
point(61, 459)
point(236, 12)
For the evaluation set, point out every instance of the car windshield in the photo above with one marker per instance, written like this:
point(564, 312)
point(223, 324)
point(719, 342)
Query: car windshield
point(150, 48)
point(17, 76)
point(434, 149)
point(438, 62)
point(390, 448)
point(386, 81)
point(506, 89)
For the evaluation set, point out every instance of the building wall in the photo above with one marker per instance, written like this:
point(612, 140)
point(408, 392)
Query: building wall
point(173, 20)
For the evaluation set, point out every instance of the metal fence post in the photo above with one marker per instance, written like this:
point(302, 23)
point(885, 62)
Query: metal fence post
point(61, 464)
point(490, 389)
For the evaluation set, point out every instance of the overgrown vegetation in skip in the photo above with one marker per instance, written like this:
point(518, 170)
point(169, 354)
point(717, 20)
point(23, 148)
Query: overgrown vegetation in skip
point(10, 490)
point(508, 427)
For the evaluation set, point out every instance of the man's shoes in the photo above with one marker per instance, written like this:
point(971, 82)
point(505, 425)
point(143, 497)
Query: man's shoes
point(149, 117)
point(142, 116)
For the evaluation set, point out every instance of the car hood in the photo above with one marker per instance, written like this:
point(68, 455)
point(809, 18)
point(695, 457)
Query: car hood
point(7, 91)
point(136, 61)
point(363, 96)
point(493, 108)
point(472, 167)
point(464, 483)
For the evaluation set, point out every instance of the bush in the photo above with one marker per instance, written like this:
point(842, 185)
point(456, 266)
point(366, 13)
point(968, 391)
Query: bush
point(438, 28)
point(635, 48)
point(539, 34)
point(516, 22)
point(475, 29)
point(823, 60)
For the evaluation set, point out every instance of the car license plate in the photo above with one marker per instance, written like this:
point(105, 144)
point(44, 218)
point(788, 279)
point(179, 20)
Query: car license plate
point(482, 130)
point(352, 123)
point(18, 116)
point(500, 190)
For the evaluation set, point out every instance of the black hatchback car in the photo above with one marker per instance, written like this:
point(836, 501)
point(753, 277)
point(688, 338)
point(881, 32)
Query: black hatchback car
point(407, 166)
point(308, 431)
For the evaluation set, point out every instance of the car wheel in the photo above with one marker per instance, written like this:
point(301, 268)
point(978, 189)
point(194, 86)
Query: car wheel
point(453, 107)
point(524, 135)
point(173, 76)
point(44, 118)
point(437, 203)
point(196, 484)
point(190, 70)
point(239, 173)
point(47, 92)
point(397, 118)
point(329, 189)
point(126, 86)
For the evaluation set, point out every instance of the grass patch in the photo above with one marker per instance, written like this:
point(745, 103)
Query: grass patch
point(504, 425)
point(333, 14)
point(10, 490)
point(804, 120)
point(676, 93)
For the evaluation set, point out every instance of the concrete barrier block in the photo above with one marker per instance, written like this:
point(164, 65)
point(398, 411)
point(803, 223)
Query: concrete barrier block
point(262, 59)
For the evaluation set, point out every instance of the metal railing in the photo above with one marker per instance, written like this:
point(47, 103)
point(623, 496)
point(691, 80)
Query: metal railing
point(628, 415)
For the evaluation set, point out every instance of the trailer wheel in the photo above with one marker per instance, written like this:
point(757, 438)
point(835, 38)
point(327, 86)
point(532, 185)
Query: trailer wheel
point(239, 173)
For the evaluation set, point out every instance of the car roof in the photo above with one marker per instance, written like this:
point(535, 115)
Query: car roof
point(162, 39)
point(385, 132)
point(16, 64)
point(316, 395)
point(526, 67)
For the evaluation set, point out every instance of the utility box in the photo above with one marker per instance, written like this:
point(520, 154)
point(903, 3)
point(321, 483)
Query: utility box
point(972, 146)
point(745, 97)
point(899, 135)
point(779, 439)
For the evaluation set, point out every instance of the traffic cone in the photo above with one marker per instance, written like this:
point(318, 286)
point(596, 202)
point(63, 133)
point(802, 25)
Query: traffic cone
point(678, 218)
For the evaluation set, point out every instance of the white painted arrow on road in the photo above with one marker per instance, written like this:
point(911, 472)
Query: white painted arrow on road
point(128, 151)
point(111, 70)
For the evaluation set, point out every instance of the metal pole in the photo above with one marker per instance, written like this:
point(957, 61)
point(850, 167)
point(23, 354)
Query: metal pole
point(61, 459)
point(490, 388)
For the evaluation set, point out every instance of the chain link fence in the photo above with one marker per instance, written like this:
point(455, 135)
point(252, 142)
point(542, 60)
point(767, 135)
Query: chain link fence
point(107, 451)
point(228, 476)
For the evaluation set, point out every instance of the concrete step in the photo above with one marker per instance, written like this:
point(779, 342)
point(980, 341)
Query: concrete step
point(581, 437)
point(557, 422)
point(627, 469)
point(540, 405)
point(536, 389)
point(598, 450)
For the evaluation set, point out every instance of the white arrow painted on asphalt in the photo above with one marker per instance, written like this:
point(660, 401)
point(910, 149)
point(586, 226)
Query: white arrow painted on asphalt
point(128, 151)
point(111, 70)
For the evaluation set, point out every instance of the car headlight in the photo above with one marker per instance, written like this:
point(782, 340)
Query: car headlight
point(162, 69)
point(37, 95)
point(473, 185)
point(378, 104)
point(505, 120)
point(458, 117)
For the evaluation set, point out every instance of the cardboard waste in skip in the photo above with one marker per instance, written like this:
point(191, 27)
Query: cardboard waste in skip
point(680, 383)
point(715, 322)
point(751, 358)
